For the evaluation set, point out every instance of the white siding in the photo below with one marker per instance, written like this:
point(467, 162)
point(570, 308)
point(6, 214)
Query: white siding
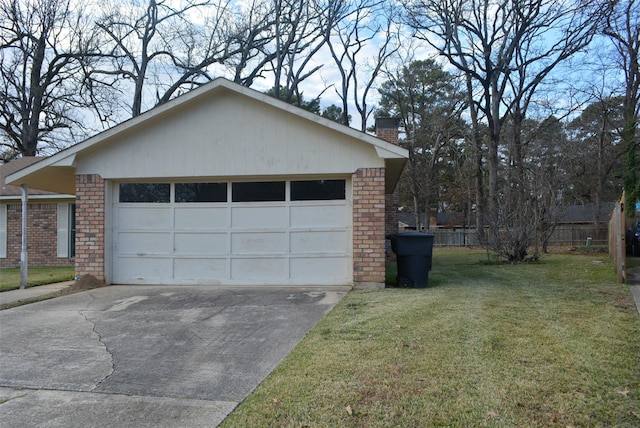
point(230, 136)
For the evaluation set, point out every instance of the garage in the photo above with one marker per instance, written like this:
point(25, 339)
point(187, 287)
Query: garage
point(246, 232)
point(225, 185)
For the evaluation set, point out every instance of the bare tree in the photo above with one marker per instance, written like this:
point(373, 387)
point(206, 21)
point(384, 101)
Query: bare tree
point(362, 24)
point(42, 49)
point(300, 29)
point(506, 49)
point(169, 47)
point(623, 29)
point(249, 37)
point(276, 42)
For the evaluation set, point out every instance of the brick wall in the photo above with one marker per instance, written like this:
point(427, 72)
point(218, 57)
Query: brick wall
point(90, 233)
point(42, 236)
point(387, 130)
point(368, 227)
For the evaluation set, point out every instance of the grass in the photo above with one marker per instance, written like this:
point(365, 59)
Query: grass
point(555, 343)
point(10, 277)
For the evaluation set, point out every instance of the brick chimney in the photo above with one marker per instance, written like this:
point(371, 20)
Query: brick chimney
point(387, 129)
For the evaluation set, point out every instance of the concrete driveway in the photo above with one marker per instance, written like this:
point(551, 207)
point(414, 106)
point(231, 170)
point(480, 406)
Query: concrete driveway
point(135, 356)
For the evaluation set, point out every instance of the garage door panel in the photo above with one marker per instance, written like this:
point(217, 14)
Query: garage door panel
point(201, 270)
point(318, 216)
point(150, 269)
point(145, 243)
point(144, 217)
point(201, 218)
point(258, 269)
point(258, 243)
point(259, 217)
point(319, 241)
point(201, 243)
point(305, 268)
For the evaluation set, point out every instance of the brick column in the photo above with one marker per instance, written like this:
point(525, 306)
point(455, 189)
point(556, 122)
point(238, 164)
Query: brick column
point(90, 228)
point(368, 228)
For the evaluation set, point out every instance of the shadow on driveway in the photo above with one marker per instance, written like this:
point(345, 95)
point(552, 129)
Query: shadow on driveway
point(148, 355)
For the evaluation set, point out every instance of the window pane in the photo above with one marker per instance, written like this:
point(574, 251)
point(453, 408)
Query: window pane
point(201, 192)
point(72, 231)
point(317, 190)
point(258, 191)
point(144, 192)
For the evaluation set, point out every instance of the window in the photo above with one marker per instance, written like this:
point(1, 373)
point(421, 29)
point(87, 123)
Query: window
point(145, 192)
point(3, 231)
point(317, 190)
point(66, 231)
point(72, 231)
point(201, 192)
point(258, 191)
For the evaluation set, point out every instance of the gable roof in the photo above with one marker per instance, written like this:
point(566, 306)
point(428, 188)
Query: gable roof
point(585, 213)
point(57, 173)
point(8, 191)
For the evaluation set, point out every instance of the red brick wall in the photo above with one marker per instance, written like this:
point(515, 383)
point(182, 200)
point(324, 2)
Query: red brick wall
point(42, 236)
point(90, 236)
point(368, 227)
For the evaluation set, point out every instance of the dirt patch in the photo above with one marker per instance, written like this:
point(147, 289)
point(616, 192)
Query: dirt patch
point(86, 282)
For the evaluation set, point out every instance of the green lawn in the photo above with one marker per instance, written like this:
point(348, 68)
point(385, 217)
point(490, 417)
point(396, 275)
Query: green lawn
point(556, 343)
point(10, 277)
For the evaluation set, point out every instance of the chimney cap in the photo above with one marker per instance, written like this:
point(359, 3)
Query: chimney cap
point(387, 122)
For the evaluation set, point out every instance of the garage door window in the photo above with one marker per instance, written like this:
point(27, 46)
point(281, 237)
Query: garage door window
point(258, 191)
point(317, 190)
point(145, 192)
point(201, 192)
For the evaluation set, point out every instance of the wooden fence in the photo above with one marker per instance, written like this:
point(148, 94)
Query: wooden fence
point(570, 234)
point(617, 227)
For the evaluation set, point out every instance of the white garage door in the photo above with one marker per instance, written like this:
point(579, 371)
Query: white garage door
point(290, 232)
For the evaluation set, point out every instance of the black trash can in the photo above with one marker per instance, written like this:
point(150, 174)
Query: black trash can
point(413, 253)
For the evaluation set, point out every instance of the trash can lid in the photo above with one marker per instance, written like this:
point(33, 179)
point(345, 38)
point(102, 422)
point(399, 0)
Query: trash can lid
point(412, 234)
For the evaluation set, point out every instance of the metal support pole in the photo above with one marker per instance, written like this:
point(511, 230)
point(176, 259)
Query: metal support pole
point(23, 252)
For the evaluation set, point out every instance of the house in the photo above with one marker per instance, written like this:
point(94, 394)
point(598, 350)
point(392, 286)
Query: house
point(585, 213)
point(226, 185)
point(50, 215)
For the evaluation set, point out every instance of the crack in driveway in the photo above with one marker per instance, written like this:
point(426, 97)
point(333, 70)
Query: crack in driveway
point(106, 348)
